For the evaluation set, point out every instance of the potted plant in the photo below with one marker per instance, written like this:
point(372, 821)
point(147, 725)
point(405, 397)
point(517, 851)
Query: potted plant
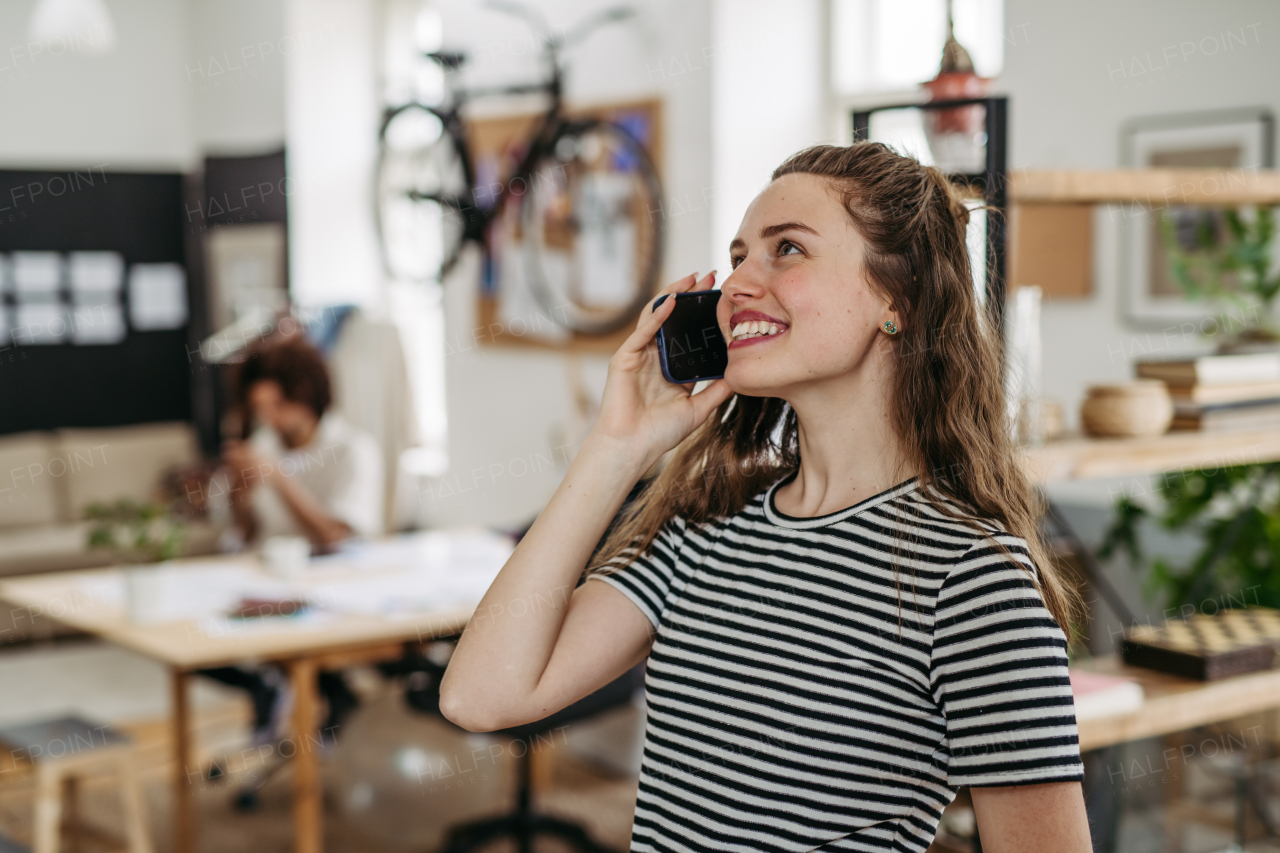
point(1237, 514)
point(140, 536)
point(1227, 257)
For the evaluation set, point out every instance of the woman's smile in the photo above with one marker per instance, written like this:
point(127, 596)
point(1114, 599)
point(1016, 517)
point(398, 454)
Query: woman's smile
point(753, 327)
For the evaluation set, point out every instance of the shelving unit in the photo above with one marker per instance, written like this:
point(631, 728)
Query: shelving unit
point(991, 183)
point(1150, 187)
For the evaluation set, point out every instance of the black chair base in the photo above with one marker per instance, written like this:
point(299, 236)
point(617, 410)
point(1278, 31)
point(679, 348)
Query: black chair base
point(524, 828)
point(422, 694)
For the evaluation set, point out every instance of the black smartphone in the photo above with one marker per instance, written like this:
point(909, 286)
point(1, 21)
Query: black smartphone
point(690, 345)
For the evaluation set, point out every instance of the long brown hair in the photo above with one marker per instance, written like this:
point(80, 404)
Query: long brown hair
point(948, 402)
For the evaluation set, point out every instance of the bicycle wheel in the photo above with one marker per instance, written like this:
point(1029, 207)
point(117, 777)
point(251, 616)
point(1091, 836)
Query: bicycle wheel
point(423, 205)
point(591, 227)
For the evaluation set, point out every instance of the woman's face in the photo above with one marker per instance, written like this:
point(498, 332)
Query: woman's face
point(798, 277)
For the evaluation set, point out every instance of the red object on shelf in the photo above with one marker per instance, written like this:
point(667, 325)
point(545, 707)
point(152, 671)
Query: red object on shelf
point(950, 86)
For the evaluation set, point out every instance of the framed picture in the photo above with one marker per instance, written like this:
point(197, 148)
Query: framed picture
point(1229, 139)
point(246, 270)
point(508, 313)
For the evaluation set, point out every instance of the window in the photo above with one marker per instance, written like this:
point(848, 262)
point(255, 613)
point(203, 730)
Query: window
point(409, 28)
point(894, 45)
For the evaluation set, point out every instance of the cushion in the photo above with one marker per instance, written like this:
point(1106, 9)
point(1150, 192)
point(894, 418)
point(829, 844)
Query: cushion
point(31, 480)
point(122, 462)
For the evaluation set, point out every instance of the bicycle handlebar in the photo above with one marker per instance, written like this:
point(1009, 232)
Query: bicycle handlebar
point(595, 22)
point(554, 43)
point(532, 16)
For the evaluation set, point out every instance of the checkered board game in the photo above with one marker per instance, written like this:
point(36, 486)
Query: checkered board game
point(1231, 642)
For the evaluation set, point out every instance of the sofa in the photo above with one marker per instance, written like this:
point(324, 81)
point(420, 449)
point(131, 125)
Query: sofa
point(48, 479)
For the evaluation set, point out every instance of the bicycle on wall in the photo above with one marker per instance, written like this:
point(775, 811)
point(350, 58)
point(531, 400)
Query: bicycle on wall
point(584, 194)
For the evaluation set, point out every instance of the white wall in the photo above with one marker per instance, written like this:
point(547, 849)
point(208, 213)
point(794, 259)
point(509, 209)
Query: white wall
point(509, 409)
point(768, 101)
point(331, 119)
point(130, 109)
point(1072, 72)
point(235, 69)
point(186, 78)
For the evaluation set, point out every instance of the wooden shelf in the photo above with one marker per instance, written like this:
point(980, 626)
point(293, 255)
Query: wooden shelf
point(1084, 458)
point(1172, 704)
point(1150, 187)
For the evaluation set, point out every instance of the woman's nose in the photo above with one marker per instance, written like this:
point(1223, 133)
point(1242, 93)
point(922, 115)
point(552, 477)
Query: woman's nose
point(742, 285)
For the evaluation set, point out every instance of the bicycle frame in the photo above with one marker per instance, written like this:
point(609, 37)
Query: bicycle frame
point(476, 218)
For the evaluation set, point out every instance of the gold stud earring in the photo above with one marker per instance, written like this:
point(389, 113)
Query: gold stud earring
point(891, 327)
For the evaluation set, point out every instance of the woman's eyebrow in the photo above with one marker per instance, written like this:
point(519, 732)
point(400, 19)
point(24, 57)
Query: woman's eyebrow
point(772, 230)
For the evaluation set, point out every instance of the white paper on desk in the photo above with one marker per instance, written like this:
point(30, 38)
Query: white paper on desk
point(409, 574)
point(192, 591)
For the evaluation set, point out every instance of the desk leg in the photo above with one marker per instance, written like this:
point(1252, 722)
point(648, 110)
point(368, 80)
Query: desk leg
point(184, 825)
point(308, 829)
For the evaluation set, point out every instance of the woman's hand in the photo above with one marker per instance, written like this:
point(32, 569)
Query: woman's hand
point(641, 411)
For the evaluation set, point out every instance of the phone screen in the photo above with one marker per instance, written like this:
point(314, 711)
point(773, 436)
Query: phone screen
point(689, 343)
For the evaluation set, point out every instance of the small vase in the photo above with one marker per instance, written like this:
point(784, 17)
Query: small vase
point(1127, 410)
point(144, 593)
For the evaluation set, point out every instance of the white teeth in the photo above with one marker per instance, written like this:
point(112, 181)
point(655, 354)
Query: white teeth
point(753, 329)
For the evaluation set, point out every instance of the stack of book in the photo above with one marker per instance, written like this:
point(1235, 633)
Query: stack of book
point(1100, 695)
point(1221, 392)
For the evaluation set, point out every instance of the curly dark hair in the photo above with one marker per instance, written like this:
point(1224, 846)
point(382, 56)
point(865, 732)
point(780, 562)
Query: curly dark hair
point(295, 365)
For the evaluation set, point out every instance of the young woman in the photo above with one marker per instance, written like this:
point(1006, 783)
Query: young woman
point(836, 579)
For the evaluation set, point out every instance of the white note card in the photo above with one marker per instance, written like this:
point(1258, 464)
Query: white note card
point(40, 323)
point(157, 297)
point(97, 324)
point(37, 273)
point(96, 273)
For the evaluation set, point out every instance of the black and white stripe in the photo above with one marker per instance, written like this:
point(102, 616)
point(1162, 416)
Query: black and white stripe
point(828, 683)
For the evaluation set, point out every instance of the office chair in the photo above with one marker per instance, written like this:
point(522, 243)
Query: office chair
point(524, 824)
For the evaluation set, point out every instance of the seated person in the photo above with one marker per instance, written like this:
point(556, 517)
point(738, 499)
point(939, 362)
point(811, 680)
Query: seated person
point(304, 471)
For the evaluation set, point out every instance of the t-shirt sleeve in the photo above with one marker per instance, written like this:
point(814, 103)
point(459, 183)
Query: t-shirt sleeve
point(648, 578)
point(356, 494)
point(999, 674)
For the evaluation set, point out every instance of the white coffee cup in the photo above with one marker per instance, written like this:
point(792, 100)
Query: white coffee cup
point(144, 594)
point(286, 556)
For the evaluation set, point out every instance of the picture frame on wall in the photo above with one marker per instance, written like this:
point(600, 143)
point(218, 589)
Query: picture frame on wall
point(1227, 139)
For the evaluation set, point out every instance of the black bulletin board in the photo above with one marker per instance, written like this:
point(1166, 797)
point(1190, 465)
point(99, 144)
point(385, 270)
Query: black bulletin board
point(146, 376)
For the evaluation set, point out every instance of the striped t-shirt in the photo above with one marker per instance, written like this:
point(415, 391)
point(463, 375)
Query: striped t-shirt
point(827, 683)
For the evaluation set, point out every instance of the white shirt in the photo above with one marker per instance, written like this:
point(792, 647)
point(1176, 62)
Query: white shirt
point(341, 468)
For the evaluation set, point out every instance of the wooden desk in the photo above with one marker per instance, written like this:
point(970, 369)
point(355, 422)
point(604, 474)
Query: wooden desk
point(1172, 704)
point(92, 601)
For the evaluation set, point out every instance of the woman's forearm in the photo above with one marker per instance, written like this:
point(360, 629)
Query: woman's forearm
point(506, 646)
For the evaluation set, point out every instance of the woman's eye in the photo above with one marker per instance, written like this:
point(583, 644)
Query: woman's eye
point(735, 260)
point(785, 246)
